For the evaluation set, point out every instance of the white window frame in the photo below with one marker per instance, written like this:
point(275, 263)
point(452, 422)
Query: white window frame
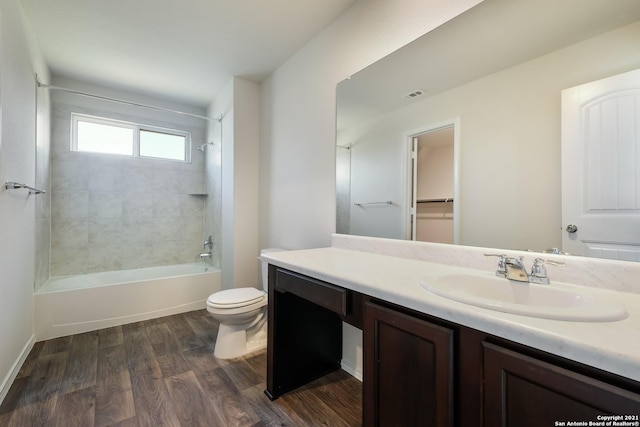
point(136, 127)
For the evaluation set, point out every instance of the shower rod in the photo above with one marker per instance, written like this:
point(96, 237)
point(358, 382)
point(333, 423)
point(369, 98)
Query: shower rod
point(120, 101)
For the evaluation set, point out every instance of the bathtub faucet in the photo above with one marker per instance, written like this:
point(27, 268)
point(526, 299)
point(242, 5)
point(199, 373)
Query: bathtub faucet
point(208, 244)
point(205, 255)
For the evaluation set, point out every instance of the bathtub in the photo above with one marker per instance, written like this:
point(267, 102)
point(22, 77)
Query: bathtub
point(74, 304)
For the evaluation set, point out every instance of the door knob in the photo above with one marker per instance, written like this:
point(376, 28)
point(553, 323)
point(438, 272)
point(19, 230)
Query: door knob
point(571, 228)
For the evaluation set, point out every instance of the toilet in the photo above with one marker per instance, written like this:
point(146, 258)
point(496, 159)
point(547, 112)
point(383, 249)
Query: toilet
point(242, 313)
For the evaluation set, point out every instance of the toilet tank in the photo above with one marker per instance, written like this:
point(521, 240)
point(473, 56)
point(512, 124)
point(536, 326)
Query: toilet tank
point(265, 267)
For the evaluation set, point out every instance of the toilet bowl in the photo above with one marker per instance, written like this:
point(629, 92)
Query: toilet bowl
point(242, 313)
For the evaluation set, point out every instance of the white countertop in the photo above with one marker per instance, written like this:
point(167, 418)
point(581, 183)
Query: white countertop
point(610, 346)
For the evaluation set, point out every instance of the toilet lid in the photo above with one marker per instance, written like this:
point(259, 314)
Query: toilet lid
point(233, 298)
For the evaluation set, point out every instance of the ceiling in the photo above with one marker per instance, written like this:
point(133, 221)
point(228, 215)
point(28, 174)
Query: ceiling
point(492, 36)
point(184, 51)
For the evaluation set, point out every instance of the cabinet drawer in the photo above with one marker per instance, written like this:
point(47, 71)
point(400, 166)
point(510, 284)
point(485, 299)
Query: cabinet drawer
point(325, 295)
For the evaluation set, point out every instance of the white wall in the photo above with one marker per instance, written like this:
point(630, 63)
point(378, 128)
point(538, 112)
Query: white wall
point(238, 104)
point(297, 169)
point(17, 208)
point(246, 155)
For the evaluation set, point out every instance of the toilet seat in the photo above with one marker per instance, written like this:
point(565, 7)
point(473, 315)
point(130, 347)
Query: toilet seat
point(235, 298)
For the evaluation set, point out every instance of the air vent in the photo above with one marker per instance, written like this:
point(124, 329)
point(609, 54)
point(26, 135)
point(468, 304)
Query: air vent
point(414, 94)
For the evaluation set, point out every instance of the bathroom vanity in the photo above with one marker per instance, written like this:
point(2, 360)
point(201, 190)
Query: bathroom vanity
point(432, 361)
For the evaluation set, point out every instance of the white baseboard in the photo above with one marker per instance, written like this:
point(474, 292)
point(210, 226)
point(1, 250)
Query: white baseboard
point(350, 369)
point(13, 373)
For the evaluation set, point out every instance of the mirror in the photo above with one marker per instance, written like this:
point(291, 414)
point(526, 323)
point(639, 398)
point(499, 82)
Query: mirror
point(497, 70)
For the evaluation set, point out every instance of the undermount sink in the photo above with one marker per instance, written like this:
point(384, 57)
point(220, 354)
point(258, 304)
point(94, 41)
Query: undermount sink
point(544, 301)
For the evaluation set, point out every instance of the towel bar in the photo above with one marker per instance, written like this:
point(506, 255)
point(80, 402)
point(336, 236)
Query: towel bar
point(10, 185)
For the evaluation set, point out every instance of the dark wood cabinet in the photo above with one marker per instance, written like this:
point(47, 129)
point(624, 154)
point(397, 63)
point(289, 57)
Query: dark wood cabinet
point(408, 370)
point(523, 391)
point(420, 370)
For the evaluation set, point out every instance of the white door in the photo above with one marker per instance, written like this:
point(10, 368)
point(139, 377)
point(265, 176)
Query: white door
point(601, 168)
point(414, 187)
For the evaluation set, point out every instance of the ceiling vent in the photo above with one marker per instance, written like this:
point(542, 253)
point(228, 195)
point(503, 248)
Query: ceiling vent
point(414, 94)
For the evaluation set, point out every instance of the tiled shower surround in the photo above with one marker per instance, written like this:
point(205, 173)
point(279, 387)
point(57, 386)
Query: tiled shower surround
point(343, 191)
point(112, 212)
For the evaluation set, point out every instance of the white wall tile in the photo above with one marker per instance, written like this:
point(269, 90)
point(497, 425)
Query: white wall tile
point(103, 258)
point(68, 261)
point(191, 206)
point(106, 177)
point(105, 204)
point(137, 205)
point(137, 180)
point(138, 231)
point(166, 181)
point(105, 231)
point(193, 182)
point(166, 205)
point(117, 212)
point(70, 174)
point(69, 233)
point(69, 204)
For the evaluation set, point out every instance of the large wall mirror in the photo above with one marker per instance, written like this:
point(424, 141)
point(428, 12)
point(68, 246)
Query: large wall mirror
point(494, 75)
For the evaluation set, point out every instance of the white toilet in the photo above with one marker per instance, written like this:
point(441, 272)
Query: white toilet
point(242, 313)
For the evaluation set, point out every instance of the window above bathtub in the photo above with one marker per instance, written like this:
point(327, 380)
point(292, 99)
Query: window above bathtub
point(102, 135)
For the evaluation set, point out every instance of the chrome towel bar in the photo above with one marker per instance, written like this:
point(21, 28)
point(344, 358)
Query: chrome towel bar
point(386, 202)
point(10, 185)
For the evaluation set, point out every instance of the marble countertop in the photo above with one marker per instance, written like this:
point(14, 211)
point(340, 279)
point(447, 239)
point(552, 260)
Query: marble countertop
point(610, 346)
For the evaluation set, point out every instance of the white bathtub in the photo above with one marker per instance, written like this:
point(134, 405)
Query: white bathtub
point(75, 304)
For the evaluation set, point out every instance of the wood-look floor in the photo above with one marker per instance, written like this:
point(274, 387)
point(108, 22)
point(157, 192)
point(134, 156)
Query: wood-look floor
point(162, 372)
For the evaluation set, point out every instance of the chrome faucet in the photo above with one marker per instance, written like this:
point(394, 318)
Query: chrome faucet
point(513, 269)
point(539, 271)
point(207, 253)
point(208, 243)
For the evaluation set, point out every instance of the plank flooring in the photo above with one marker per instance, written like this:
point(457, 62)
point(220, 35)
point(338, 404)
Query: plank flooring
point(162, 372)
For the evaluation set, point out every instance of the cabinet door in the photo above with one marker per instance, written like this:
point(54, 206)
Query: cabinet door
point(523, 391)
point(408, 370)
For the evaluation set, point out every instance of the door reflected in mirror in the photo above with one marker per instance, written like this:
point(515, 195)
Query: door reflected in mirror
point(432, 163)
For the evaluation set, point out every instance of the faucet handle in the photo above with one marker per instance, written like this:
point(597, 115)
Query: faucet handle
point(498, 255)
point(501, 271)
point(539, 271)
point(540, 262)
